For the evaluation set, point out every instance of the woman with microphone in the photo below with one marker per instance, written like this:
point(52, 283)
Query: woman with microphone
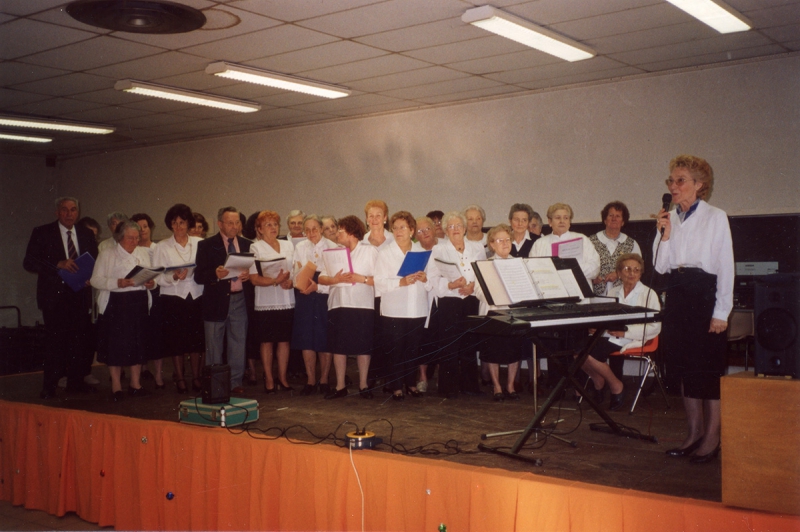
point(694, 245)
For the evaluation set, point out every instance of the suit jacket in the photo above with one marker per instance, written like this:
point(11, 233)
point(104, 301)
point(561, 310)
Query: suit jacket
point(211, 253)
point(45, 250)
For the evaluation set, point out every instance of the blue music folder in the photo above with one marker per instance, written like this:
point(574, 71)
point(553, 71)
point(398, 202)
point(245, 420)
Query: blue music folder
point(414, 262)
point(77, 280)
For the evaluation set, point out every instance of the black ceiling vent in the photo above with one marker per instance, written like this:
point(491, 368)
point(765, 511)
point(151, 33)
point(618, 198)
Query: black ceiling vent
point(137, 16)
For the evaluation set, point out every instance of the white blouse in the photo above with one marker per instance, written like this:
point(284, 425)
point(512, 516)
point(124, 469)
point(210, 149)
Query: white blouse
point(359, 295)
point(274, 297)
point(589, 262)
point(399, 301)
point(447, 252)
point(170, 253)
point(637, 298)
point(306, 251)
point(114, 264)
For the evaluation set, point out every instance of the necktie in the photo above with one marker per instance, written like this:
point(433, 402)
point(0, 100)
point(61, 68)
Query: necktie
point(231, 247)
point(71, 251)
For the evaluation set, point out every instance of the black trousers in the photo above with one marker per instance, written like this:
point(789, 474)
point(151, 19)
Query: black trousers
point(67, 326)
point(458, 367)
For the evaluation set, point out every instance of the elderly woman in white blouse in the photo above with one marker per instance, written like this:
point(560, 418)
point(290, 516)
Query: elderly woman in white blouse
point(182, 308)
point(429, 349)
point(475, 216)
point(124, 308)
point(404, 307)
point(454, 281)
point(309, 333)
point(274, 299)
point(559, 216)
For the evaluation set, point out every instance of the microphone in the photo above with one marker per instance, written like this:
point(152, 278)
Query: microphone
point(666, 201)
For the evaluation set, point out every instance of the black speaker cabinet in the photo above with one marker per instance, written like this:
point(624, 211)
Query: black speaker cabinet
point(216, 384)
point(777, 308)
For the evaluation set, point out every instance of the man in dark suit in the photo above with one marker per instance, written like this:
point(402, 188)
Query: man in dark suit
point(225, 301)
point(53, 247)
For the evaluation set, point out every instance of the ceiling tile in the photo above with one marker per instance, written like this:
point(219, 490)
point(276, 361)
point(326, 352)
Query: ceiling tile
point(546, 12)
point(502, 63)
point(466, 50)
point(581, 77)
point(198, 112)
point(15, 36)
point(70, 84)
point(96, 52)
point(110, 96)
point(424, 35)
point(11, 97)
point(353, 102)
point(286, 99)
point(297, 9)
point(722, 43)
point(443, 87)
point(717, 57)
point(59, 16)
point(335, 53)
point(54, 107)
point(243, 21)
point(781, 34)
point(368, 68)
point(148, 121)
point(154, 66)
point(396, 105)
point(5, 18)
point(470, 95)
point(13, 73)
point(262, 43)
point(385, 16)
point(28, 7)
point(245, 91)
point(420, 76)
point(153, 105)
point(106, 114)
point(677, 33)
point(197, 81)
point(555, 70)
point(775, 16)
point(630, 20)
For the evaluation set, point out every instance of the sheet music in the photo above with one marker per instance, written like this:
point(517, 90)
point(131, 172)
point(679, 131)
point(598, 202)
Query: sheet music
point(336, 260)
point(516, 280)
point(449, 270)
point(141, 275)
point(495, 291)
point(237, 263)
point(547, 278)
point(568, 249)
point(570, 284)
point(272, 268)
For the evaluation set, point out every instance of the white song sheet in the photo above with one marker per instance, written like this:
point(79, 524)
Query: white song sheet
point(546, 277)
point(516, 280)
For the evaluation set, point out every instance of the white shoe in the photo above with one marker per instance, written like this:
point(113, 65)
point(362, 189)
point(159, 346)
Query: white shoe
point(62, 382)
point(91, 379)
point(422, 386)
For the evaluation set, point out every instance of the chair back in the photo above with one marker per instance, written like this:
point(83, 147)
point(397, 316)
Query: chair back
point(649, 346)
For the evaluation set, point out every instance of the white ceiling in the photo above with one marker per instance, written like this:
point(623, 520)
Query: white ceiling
point(393, 54)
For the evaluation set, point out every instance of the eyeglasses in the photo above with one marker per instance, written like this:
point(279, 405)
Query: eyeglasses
point(680, 181)
point(631, 269)
point(502, 240)
point(455, 226)
point(400, 228)
point(423, 231)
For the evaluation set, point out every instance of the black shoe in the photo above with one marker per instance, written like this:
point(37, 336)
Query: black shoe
point(512, 396)
point(617, 400)
point(398, 397)
point(324, 388)
point(116, 397)
point(365, 393)
point(336, 394)
point(705, 458)
point(137, 392)
point(308, 389)
point(47, 394)
point(269, 390)
point(180, 385)
point(281, 388)
point(80, 387)
point(599, 396)
point(413, 393)
point(677, 452)
point(499, 397)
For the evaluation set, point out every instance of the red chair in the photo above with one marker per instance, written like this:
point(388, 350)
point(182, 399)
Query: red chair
point(643, 354)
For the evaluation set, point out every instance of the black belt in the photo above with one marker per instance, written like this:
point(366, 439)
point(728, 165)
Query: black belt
point(686, 269)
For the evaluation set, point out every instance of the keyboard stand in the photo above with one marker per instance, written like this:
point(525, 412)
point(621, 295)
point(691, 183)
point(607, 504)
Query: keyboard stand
point(535, 425)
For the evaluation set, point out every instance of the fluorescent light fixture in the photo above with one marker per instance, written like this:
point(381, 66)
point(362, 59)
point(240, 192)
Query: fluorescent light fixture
point(716, 14)
point(24, 138)
point(527, 33)
point(56, 125)
point(186, 96)
point(273, 79)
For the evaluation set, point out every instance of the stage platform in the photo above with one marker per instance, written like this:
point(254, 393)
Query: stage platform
point(131, 465)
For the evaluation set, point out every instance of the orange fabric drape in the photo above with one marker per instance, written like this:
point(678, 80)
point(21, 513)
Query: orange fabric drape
point(117, 471)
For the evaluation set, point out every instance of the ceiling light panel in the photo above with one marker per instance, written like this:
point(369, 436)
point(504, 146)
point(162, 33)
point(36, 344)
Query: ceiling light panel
point(23, 138)
point(527, 33)
point(716, 14)
point(276, 80)
point(186, 96)
point(56, 125)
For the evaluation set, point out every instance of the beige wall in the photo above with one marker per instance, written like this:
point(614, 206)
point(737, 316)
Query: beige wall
point(583, 145)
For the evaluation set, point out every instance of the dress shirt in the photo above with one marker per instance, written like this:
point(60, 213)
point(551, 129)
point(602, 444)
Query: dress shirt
point(399, 301)
point(637, 298)
point(306, 251)
point(389, 239)
point(170, 253)
point(108, 243)
point(112, 265)
point(358, 295)
point(447, 252)
point(518, 246)
point(589, 262)
point(701, 241)
point(482, 241)
point(64, 239)
point(612, 244)
point(274, 297)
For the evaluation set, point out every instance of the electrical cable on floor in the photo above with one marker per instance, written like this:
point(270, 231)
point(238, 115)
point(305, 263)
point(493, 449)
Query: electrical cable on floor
point(360, 488)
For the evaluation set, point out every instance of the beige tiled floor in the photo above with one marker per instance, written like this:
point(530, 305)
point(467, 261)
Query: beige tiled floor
point(18, 518)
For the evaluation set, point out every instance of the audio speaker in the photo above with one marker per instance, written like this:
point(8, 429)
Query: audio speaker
point(777, 312)
point(216, 384)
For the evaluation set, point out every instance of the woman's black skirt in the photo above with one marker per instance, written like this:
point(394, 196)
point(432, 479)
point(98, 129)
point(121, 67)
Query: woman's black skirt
point(695, 356)
point(271, 326)
point(503, 349)
point(182, 325)
point(124, 329)
point(310, 329)
point(350, 331)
